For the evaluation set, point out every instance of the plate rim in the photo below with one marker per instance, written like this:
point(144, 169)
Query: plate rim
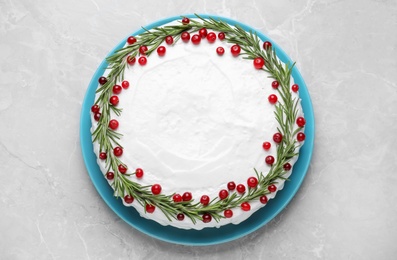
point(201, 237)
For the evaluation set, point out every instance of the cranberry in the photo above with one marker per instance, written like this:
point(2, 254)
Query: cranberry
point(196, 39)
point(102, 80)
point(103, 156)
point(220, 51)
point(300, 121)
point(221, 36)
point(207, 218)
point(269, 160)
point(277, 138)
point(267, 45)
point(245, 206)
point(266, 145)
point(138, 172)
point(95, 109)
point(177, 197)
point(235, 49)
point(185, 36)
point(252, 182)
point(169, 40)
point(122, 168)
point(272, 188)
point(275, 84)
point(259, 63)
point(287, 167)
point(118, 151)
point(161, 51)
point(205, 200)
point(203, 32)
point(223, 194)
point(113, 124)
point(117, 89)
point(231, 185)
point(143, 49)
point(128, 199)
point(125, 84)
point(211, 37)
point(180, 216)
point(228, 213)
point(240, 188)
point(110, 176)
point(187, 196)
point(263, 199)
point(156, 189)
point(97, 116)
point(142, 61)
point(114, 100)
point(300, 137)
point(272, 99)
point(150, 208)
point(131, 40)
point(131, 60)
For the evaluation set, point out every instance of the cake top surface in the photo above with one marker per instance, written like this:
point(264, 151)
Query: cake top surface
point(196, 121)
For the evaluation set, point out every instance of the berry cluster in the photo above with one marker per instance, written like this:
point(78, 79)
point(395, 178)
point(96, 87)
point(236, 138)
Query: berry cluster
point(114, 125)
point(278, 137)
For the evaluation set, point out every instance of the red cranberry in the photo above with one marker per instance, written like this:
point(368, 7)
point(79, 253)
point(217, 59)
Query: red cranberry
point(187, 196)
point(263, 199)
point(221, 36)
point(272, 188)
point(245, 206)
point(223, 194)
point(267, 45)
point(150, 208)
point(169, 40)
point(228, 213)
point(240, 188)
point(207, 218)
point(231, 185)
point(204, 200)
point(277, 138)
point(269, 160)
point(128, 199)
point(252, 182)
point(203, 32)
point(211, 37)
point(177, 197)
point(138, 172)
point(156, 189)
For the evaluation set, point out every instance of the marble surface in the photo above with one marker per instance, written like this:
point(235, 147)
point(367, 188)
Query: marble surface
point(345, 209)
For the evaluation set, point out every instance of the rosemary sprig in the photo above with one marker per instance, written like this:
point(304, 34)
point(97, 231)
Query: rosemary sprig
point(285, 114)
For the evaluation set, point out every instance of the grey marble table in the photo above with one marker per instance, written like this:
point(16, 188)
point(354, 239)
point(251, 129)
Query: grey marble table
point(345, 209)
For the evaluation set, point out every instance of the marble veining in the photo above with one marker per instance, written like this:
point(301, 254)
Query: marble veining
point(345, 208)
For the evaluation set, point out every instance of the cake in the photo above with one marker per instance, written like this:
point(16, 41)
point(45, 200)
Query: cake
point(196, 123)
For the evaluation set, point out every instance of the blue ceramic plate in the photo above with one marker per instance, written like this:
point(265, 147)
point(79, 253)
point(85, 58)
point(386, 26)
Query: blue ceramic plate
point(208, 236)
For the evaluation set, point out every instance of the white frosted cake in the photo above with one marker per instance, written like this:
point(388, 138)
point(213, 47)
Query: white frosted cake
point(188, 133)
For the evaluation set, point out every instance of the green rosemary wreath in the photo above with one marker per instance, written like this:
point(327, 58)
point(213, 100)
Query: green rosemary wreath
point(285, 114)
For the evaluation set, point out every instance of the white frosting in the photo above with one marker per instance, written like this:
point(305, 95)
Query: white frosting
point(193, 121)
